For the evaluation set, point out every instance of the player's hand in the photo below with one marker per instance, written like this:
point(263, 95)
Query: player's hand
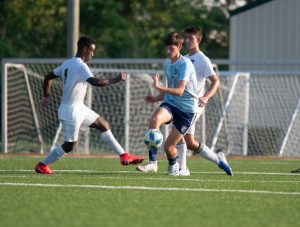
point(155, 78)
point(150, 99)
point(202, 101)
point(122, 76)
point(44, 102)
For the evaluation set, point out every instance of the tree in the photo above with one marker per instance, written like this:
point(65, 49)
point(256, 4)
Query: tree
point(105, 21)
point(32, 28)
point(122, 28)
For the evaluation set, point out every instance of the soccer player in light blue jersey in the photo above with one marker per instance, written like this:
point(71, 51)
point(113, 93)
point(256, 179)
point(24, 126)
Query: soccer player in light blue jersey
point(179, 104)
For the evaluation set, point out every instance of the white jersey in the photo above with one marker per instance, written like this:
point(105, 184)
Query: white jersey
point(203, 68)
point(74, 73)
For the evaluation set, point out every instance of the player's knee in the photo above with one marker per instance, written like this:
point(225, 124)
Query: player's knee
point(100, 124)
point(103, 124)
point(68, 146)
point(154, 122)
point(106, 125)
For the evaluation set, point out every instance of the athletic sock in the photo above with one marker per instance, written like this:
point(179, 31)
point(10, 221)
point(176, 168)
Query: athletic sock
point(172, 161)
point(54, 155)
point(110, 140)
point(207, 153)
point(153, 154)
point(181, 150)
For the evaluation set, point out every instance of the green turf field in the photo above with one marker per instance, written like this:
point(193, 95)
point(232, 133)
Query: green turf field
point(100, 192)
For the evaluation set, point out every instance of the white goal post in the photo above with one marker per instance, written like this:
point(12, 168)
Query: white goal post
point(253, 113)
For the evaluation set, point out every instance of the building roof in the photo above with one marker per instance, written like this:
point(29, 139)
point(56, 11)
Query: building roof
point(248, 7)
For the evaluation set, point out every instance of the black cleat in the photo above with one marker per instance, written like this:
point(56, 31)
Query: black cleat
point(295, 171)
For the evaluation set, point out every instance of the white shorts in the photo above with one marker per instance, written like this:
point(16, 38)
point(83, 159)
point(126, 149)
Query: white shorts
point(191, 129)
point(71, 127)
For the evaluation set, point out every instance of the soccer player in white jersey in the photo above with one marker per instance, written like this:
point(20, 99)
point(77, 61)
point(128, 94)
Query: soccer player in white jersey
point(179, 104)
point(73, 113)
point(204, 70)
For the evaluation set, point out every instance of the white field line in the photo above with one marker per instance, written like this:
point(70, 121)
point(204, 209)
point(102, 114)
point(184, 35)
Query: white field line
point(232, 180)
point(148, 188)
point(130, 171)
point(140, 176)
point(279, 162)
point(197, 180)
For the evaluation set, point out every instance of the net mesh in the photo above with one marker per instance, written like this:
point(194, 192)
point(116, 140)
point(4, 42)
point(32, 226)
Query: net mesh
point(256, 115)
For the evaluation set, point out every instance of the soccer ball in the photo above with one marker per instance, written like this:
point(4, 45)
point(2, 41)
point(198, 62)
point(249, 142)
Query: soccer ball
point(153, 138)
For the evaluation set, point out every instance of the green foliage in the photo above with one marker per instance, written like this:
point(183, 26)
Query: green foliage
point(122, 28)
point(103, 20)
point(33, 28)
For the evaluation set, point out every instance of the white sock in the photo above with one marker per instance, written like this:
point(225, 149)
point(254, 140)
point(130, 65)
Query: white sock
point(208, 153)
point(110, 140)
point(181, 151)
point(54, 155)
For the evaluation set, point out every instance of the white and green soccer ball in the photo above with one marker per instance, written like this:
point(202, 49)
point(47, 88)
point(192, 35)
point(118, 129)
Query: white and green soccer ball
point(153, 138)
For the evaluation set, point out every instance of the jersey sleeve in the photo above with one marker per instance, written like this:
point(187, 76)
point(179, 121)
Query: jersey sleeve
point(85, 72)
point(208, 68)
point(58, 71)
point(185, 71)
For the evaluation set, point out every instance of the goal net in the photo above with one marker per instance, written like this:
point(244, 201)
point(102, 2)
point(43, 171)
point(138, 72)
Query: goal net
point(252, 113)
point(259, 114)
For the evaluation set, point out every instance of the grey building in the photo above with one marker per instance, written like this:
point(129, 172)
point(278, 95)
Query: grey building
point(264, 40)
point(266, 31)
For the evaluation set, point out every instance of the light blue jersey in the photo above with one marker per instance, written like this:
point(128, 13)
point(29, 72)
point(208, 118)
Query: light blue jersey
point(182, 69)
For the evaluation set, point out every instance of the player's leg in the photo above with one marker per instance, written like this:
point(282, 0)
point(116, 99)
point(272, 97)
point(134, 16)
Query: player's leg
point(159, 117)
point(182, 121)
point(102, 125)
point(70, 132)
point(182, 154)
point(182, 147)
point(207, 153)
point(194, 145)
point(171, 151)
point(200, 148)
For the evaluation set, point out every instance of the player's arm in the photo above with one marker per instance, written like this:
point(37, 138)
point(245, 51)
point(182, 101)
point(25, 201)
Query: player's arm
point(214, 86)
point(178, 91)
point(104, 82)
point(47, 88)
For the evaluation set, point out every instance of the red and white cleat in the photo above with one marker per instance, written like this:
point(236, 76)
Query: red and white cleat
point(129, 159)
point(43, 169)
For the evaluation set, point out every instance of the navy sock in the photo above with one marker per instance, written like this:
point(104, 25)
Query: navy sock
point(153, 154)
point(172, 161)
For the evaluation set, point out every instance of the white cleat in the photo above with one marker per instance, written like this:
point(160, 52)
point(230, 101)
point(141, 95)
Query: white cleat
point(221, 156)
point(223, 164)
point(184, 172)
point(150, 167)
point(173, 170)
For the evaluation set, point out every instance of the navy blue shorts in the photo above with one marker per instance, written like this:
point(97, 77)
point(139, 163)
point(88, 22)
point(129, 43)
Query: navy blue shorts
point(181, 120)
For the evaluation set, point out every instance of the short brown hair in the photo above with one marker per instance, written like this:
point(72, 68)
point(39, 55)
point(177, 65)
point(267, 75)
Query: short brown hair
point(173, 38)
point(194, 30)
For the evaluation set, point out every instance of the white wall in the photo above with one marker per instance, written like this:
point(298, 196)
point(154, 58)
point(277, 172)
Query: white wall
point(270, 31)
